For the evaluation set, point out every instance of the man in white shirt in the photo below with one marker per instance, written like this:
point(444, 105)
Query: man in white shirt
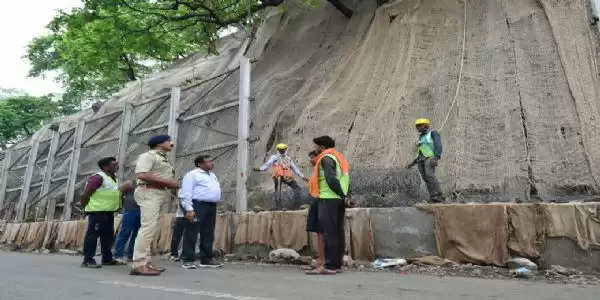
point(282, 166)
point(199, 194)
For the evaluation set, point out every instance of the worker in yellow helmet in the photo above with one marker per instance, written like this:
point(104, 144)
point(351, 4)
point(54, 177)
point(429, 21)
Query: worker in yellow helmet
point(427, 153)
point(283, 169)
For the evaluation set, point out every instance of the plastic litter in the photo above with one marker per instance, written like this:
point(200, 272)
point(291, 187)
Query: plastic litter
point(520, 262)
point(389, 262)
point(522, 273)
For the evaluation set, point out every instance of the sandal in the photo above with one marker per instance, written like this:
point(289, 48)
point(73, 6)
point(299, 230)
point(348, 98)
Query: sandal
point(321, 271)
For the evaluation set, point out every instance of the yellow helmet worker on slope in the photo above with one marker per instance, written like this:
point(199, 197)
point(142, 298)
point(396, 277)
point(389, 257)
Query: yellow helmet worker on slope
point(427, 153)
point(422, 121)
point(283, 169)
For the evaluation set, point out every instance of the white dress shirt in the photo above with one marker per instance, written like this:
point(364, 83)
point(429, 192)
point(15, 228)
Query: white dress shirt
point(199, 185)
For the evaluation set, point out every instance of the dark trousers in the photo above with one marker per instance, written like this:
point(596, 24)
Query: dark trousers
point(204, 224)
point(433, 185)
point(100, 225)
point(331, 217)
point(178, 229)
point(292, 184)
point(130, 224)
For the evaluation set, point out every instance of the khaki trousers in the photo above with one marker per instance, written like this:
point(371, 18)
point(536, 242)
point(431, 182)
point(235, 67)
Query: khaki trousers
point(150, 202)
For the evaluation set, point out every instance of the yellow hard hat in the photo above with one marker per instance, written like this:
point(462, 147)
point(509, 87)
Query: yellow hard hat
point(281, 146)
point(422, 121)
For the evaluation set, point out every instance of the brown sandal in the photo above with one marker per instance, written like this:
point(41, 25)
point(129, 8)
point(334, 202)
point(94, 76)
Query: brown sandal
point(321, 271)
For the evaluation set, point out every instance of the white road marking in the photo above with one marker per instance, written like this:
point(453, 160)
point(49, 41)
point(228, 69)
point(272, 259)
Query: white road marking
point(183, 291)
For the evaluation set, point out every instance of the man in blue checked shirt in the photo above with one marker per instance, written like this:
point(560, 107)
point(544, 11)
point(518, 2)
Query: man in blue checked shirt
point(199, 194)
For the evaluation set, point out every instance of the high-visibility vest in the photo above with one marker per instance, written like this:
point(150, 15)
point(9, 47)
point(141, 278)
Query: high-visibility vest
point(282, 167)
point(324, 191)
point(107, 197)
point(425, 146)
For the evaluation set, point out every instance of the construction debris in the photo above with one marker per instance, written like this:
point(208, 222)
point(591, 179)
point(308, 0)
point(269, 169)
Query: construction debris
point(388, 262)
point(284, 254)
point(520, 262)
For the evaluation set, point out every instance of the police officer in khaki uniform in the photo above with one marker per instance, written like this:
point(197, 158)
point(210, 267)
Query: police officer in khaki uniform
point(155, 177)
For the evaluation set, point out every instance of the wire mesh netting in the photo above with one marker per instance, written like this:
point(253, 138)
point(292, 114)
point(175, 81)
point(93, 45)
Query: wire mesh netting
point(38, 172)
point(61, 166)
point(8, 211)
point(100, 129)
point(15, 178)
point(43, 150)
point(213, 133)
point(151, 114)
point(65, 141)
point(32, 205)
point(20, 157)
point(56, 193)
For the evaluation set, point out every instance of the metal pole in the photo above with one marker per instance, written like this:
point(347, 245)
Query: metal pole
point(35, 145)
point(50, 203)
point(124, 139)
point(73, 169)
point(173, 125)
point(243, 129)
point(4, 176)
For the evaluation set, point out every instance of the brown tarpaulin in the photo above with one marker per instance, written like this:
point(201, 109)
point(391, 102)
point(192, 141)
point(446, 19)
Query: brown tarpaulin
point(289, 230)
point(526, 230)
point(360, 242)
point(471, 233)
point(34, 237)
point(223, 233)
point(579, 222)
point(70, 234)
point(254, 228)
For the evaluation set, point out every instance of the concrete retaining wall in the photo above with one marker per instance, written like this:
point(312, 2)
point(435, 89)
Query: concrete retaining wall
point(403, 232)
point(395, 232)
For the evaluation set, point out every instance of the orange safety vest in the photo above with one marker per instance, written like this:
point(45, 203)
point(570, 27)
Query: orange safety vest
point(282, 168)
point(313, 183)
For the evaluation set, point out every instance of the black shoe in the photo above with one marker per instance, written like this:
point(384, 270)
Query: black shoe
point(210, 264)
point(90, 265)
point(113, 262)
point(189, 266)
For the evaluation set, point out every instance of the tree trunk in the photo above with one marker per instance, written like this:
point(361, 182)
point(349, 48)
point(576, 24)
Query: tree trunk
point(342, 8)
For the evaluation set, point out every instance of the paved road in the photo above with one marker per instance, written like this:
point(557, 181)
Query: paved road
point(59, 277)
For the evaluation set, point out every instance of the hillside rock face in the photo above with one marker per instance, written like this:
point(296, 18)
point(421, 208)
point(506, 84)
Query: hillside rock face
point(512, 86)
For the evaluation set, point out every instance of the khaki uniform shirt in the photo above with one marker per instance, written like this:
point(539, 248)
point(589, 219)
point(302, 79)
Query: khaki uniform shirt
point(156, 163)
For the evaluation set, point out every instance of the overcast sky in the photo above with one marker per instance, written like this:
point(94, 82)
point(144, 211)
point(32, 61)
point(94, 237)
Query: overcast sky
point(20, 21)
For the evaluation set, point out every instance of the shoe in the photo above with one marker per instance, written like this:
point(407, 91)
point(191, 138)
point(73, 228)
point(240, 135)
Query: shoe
point(159, 269)
point(113, 262)
point(144, 271)
point(173, 258)
point(189, 266)
point(90, 265)
point(121, 260)
point(210, 264)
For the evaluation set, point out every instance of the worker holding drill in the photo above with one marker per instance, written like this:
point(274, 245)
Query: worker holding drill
point(283, 169)
point(427, 153)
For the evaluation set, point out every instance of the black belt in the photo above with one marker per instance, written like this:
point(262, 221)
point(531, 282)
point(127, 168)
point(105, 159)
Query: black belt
point(205, 202)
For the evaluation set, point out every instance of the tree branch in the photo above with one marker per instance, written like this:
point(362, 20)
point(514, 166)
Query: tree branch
point(342, 8)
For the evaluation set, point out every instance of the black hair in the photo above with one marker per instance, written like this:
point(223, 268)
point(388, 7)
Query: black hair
point(105, 162)
point(325, 141)
point(201, 159)
point(312, 153)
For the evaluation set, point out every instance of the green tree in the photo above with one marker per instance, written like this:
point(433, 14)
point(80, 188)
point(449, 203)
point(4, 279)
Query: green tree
point(21, 116)
point(107, 43)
